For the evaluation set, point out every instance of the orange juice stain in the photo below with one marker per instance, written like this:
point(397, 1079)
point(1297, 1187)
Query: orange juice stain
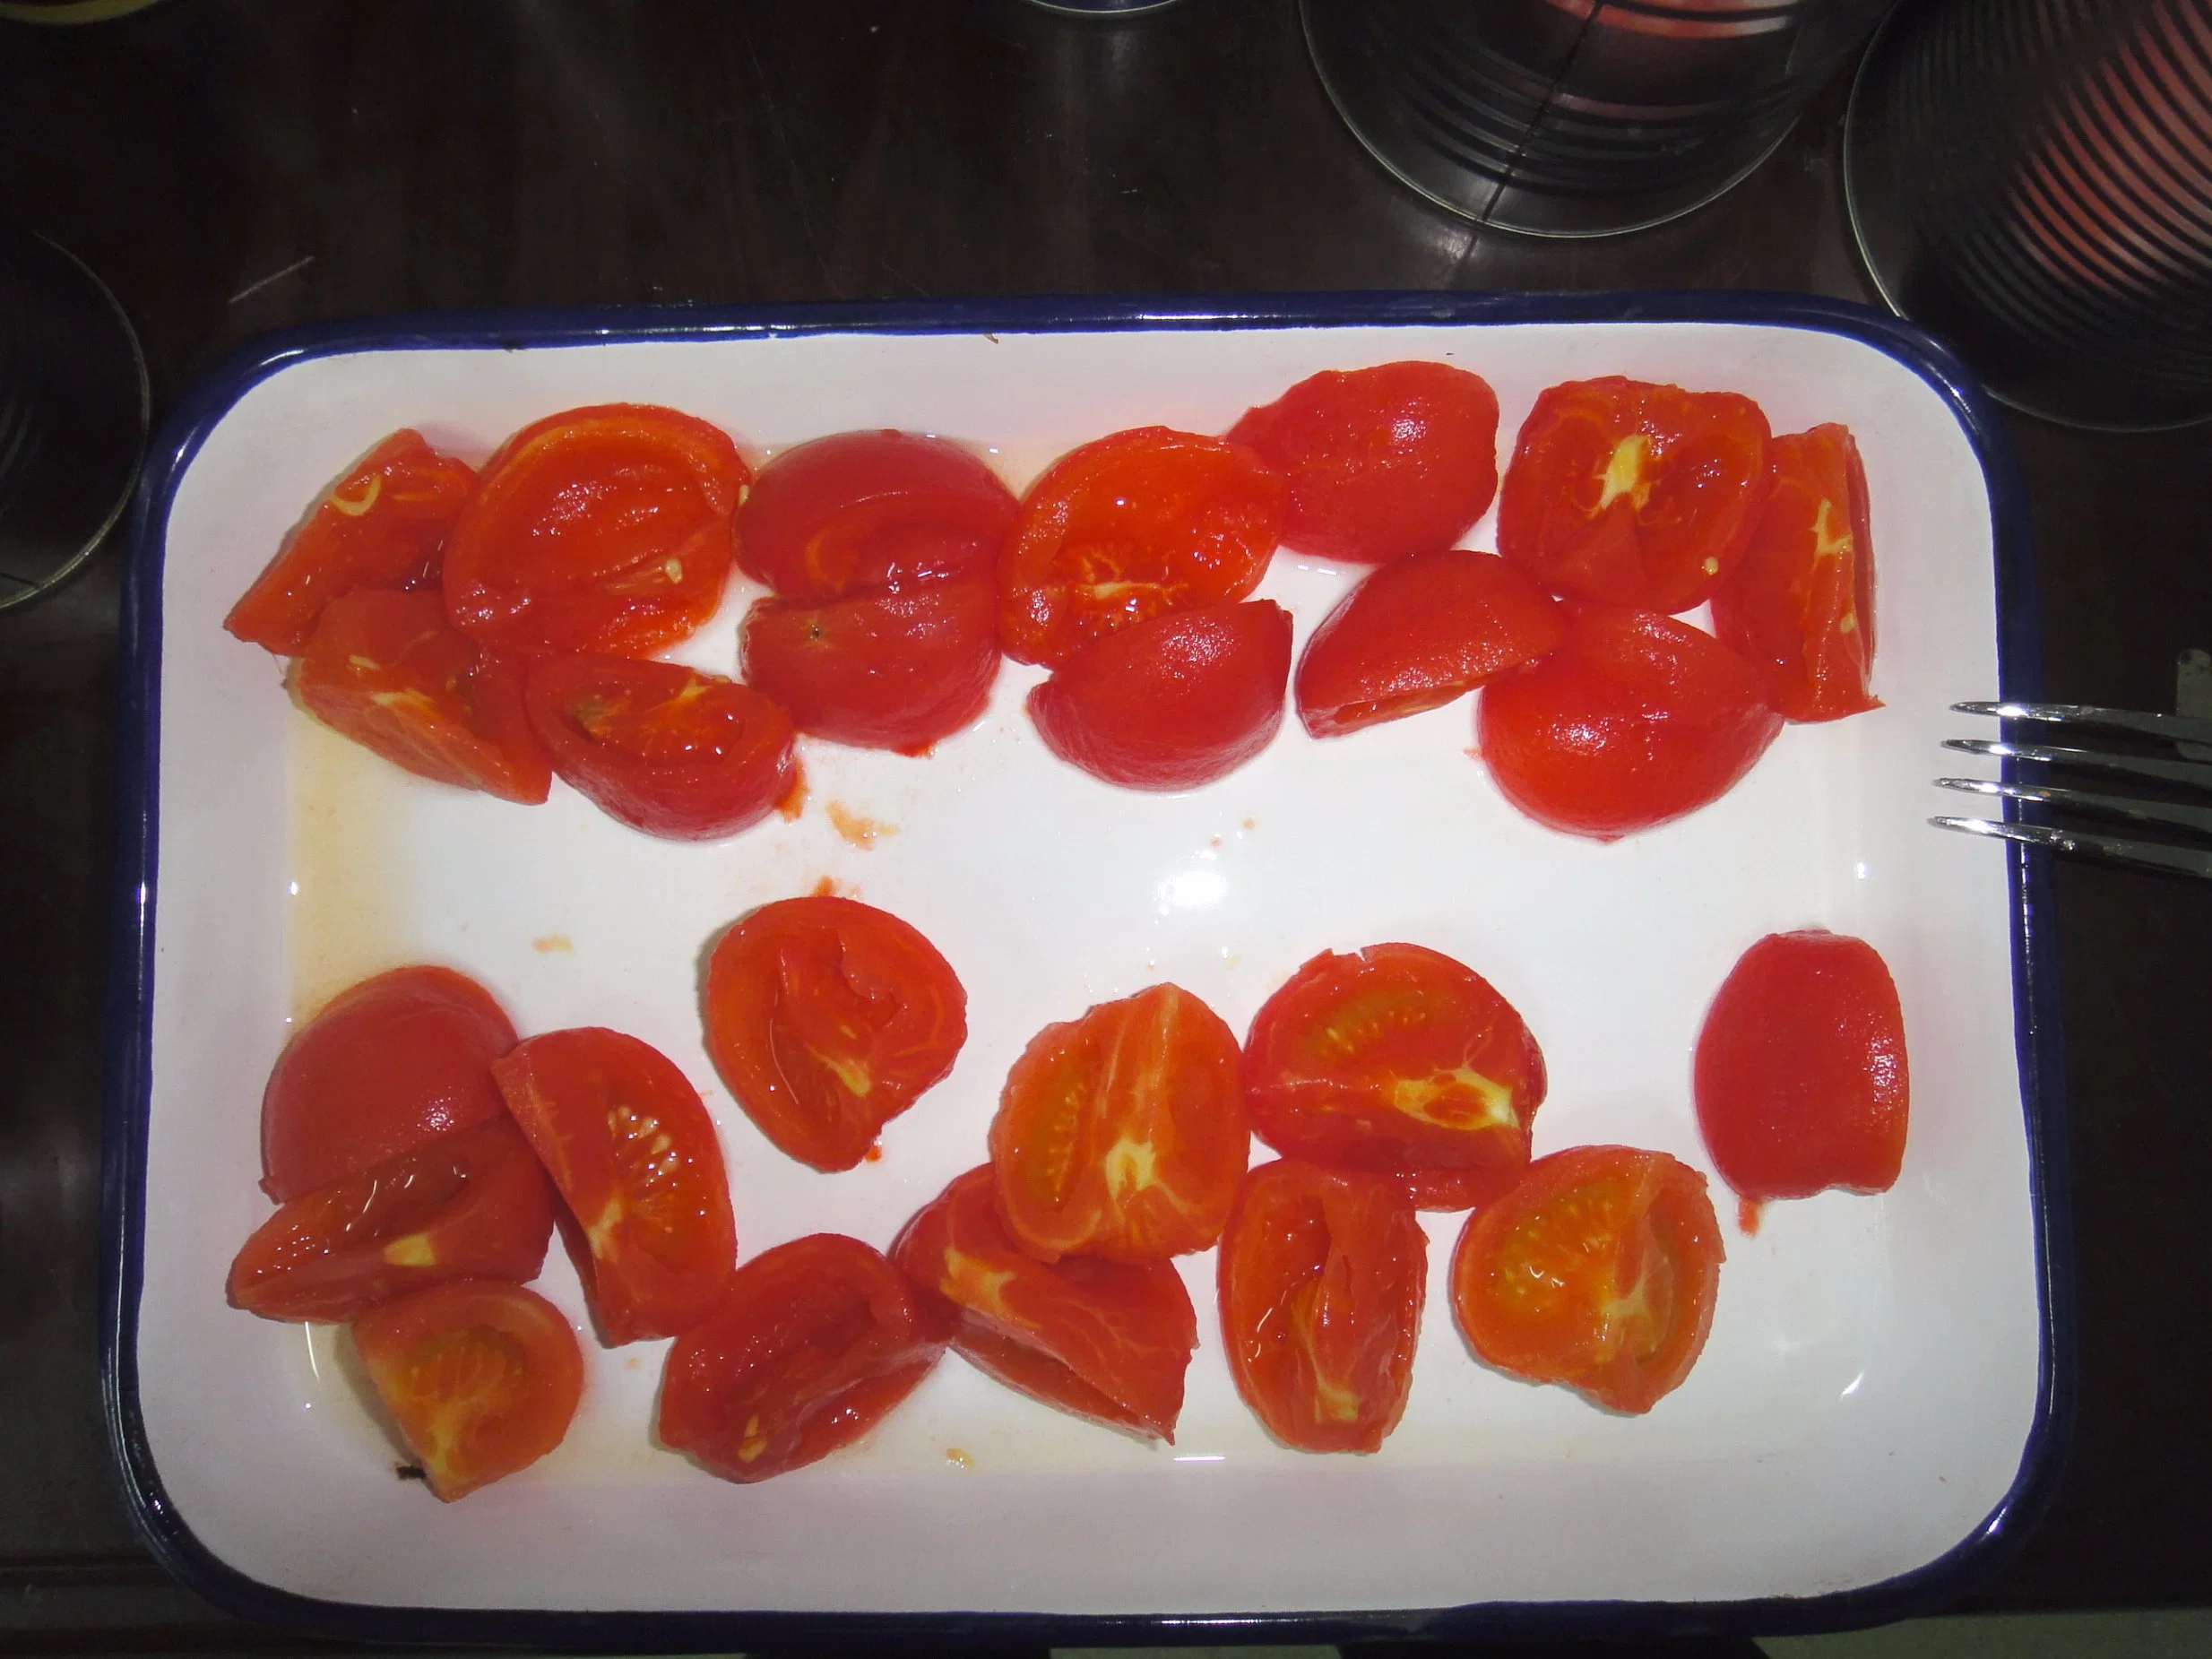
point(1747, 1211)
point(958, 1458)
point(794, 801)
point(553, 943)
point(874, 1155)
point(825, 889)
point(859, 830)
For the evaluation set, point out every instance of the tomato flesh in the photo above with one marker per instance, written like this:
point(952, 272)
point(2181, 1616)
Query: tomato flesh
point(1800, 1078)
point(633, 1153)
point(1173, 702)
point(828, 1018)
point(810, 1346)
point(1322, 1275)
point(1401, 458)
point(1123, 1134)
point(1633, 494)
point(1129, 527)
point(1107, 1341)
point(481, 1379)
point(1598, 1270)
point(382, 525)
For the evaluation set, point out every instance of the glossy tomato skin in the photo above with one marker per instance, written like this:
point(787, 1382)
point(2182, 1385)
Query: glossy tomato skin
point(1633, 494)
point(1802, 601)
point(633, 1155)
point(1322, 1275)
point(1123, 1134)
point(812, 1344)
point(1597, 1270)
point(1171, 703)
point(1106, 1341)
point(886, 670)
point(862, 512)
point(1635, 720)
point(1398, 1060)
point(1401, 458)
point(661, 747)
point(382, 525)
point(385, 669)
point(470, 1205)
point(481, 1379)
point(605, 529)
point(1129, 527)
point(1418, 633)
point(384, 1068)
point(1800, 1078)
point(828, 1018)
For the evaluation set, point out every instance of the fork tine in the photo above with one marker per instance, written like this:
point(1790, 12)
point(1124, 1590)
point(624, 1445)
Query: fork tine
point(2196, 774)
point(2172, 813)
point(2112, 849)
point(2175, 727)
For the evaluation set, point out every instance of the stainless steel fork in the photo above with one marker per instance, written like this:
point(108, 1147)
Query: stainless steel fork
point(2190, 768)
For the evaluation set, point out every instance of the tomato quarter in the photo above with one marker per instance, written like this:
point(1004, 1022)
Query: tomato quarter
point(1107, 1341)
point(1598, 1270)
point(632, 1151)
point(1122, 1133)
point(1323, 1274)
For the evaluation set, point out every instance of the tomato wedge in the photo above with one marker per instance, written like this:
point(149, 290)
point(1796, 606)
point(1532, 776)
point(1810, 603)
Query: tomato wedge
point(470, 1205)
point(1633, 494)
point(1322, 1275)
point(1800, 1078)
point(384, 1068)
point(1803, 600)
point(661, 747)
point(1598, 1270)
point(828, 1018)
point(810, 1346)
point(1636, 720)
point(605, 529)
point(382, 525)
point(482, 1379)
point(1122, 1133)
point(630, 1146)
point(385, 669)
point(1418, 633)
point(861, 511)
point(1401, 458)
point(1398, 1060)
point(879, 670)
point(1129, 527)
point(1172, 701)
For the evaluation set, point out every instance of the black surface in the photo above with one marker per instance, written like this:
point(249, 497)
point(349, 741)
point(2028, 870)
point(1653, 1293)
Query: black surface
point(229, 166)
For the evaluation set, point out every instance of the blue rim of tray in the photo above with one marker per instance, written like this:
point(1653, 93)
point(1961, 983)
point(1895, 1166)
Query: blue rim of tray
point(2038, 1037)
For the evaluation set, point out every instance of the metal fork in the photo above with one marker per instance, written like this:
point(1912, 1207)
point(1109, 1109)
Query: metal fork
point(2192, 737)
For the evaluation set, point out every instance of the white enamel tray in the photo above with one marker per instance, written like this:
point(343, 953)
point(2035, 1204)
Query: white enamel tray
point(1867, 1422)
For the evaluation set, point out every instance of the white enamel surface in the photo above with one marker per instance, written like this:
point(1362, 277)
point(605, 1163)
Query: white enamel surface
point(1869, 1382)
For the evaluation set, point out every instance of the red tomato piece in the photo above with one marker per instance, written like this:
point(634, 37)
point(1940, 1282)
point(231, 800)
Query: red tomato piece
point(828, 1018)
point(1636, 720)
point(862, 511)
point(1633, 493)
point(481, 1379)
point(385, 1068)
point(386, 671)
point(1383, 461)
point(811, 1345)
point(381, 526)
point(879, 670)
point(1418, 633)
point(1598, 1270)
point(1122, 1133)
point(632, 1151)
point(1800, 1078)
point(1401, 1061)
point(1803, 600)
point(1129, 527)
point(1322, 1275)
point(470, 1205)
point(1107, 1341)
point(605, 529)
point(662, 748)
point(1172, 701)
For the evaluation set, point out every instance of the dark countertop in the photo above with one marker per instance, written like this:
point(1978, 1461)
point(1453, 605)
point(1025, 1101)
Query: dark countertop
point(231, 166)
